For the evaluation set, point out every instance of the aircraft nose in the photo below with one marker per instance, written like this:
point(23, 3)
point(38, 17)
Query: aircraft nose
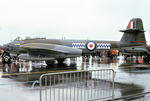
point(5, 47)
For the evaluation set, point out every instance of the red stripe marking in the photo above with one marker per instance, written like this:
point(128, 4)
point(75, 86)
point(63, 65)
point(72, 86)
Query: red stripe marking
point(130, 24)
point(140, 41)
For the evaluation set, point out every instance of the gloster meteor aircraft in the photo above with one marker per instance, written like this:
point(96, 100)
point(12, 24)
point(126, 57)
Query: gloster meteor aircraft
point(49, 50)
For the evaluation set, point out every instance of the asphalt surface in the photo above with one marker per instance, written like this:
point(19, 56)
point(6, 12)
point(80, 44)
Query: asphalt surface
point(16, 79)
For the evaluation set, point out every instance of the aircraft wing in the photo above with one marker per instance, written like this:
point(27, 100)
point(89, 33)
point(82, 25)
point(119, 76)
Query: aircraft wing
point(47, 51)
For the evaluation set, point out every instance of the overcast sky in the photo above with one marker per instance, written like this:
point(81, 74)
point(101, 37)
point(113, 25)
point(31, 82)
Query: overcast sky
point(72, 19)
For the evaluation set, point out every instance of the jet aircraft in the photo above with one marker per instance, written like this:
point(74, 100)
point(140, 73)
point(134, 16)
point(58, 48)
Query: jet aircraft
point(49, 50)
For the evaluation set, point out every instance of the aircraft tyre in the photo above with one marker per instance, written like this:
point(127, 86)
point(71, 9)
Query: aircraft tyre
point(147, 59)
point(49, 62)
point(60, 61)
point(6, 58)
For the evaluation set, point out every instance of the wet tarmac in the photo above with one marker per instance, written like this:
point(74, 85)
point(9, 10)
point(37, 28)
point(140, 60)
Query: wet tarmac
point(17, 78)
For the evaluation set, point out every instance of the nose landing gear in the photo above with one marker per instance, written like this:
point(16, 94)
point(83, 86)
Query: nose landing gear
point(6, 58)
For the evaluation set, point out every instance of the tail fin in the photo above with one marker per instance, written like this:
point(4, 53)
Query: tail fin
point(134, 32)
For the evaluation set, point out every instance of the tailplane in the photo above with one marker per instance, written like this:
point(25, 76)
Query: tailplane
point(134, 32)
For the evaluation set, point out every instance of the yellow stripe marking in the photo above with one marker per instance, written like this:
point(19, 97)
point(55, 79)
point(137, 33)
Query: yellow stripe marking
point(17, 44)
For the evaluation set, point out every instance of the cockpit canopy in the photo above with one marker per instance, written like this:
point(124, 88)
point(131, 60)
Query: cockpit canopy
point(20, 38)
point(24, 38)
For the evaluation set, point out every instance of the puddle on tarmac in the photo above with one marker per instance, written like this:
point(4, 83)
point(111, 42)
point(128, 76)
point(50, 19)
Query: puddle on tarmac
point(129, 79)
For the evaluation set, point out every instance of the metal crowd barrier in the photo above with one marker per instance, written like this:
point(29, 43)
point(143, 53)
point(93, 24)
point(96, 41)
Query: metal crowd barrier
point(90, 85)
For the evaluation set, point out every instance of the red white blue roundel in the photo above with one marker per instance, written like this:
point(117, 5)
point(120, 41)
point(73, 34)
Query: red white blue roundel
point(91, 46)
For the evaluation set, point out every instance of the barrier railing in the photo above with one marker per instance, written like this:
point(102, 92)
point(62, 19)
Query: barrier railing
point(88, 85)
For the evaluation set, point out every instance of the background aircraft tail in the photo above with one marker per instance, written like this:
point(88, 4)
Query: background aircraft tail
point(134, 32)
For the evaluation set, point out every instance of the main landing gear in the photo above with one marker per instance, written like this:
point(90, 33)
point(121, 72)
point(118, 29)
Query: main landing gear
point(60, 61)
point(51, 62)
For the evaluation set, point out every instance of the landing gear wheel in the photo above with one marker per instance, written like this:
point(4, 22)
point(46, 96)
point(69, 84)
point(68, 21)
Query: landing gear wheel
point(49, 62)
point(60, 61)
point(6, 58)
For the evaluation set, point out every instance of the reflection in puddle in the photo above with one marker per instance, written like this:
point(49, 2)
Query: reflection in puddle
point(32, 70)
point(74, 63)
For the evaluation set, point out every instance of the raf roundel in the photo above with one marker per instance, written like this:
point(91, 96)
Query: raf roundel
point(91, 46)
